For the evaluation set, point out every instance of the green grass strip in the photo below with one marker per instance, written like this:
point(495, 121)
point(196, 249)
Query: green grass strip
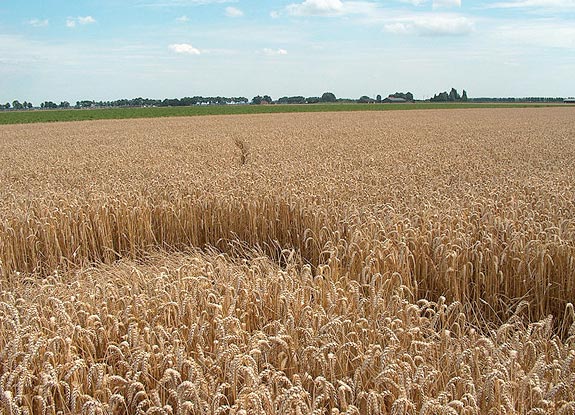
point(37, 116)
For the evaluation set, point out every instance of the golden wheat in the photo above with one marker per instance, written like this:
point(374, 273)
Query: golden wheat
point(190, 333)
point(416, 262)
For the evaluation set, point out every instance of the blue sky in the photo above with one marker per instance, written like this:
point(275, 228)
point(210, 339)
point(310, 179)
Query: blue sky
point(109, 49)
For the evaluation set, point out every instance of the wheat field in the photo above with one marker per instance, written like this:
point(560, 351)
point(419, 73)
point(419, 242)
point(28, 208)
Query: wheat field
point(417, 262)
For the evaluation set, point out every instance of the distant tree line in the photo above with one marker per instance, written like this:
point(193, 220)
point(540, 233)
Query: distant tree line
point(330, 97)
point(453, 96)
point(518, 100)
point(326, 97)
point(168, 102)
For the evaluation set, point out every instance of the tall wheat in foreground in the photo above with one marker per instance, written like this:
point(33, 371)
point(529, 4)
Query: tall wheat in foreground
point(350, 263)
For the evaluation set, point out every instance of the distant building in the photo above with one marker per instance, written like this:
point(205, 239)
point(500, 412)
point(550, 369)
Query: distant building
point(569, 101)
point(394, 100)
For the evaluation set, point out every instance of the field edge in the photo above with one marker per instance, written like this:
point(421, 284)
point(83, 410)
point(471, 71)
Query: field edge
point(65, 115)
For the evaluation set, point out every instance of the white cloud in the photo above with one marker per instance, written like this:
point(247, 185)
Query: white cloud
point(274, 52)
point(184, 49)
point(38, 22)
point(234, 12)
point(399, 28)
point(180, 3)
point(330, 8)
point(80, 20)
point(446, 3)
point(431, 25)
point(315, 7)
point(182, 19)
point(414, 2)
point(274, 14)
point(549, 4)
point(540, 33)
point(86, 20)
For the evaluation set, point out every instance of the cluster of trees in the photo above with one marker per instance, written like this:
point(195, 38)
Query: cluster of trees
point(258, 99)
point(298, 99)
point(452, 96)
point(408, 96)
point(17, 105)
point(364, 99)
point(53, 105)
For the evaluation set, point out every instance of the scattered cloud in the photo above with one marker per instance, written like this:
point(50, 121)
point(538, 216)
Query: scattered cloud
point(330, 8)
point(184, 49)
point(437, 4)
point(38, 22)
point(80, 20)
point(541, 33)
point(183, 19)
point(548, 4)
point(180, 3)
point(399, 28)
point(86, 20)
point(414, 2)
point(316, 7)
point(274, 14)
point(432, 25)
point(233, 12)
point(274, 52)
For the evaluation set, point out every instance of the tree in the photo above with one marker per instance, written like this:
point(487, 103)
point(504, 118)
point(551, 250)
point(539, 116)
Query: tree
point(312, 100)
point(7, 106)
point(364, 99)
point(378, 98)
point(258, 99)
point(454, 95)
point(85, 104)
point(441, 97)
point(328, 97)
point(292, 100)
point(16, 105)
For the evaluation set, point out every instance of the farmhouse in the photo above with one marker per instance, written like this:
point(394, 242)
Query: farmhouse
point(394, 100)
